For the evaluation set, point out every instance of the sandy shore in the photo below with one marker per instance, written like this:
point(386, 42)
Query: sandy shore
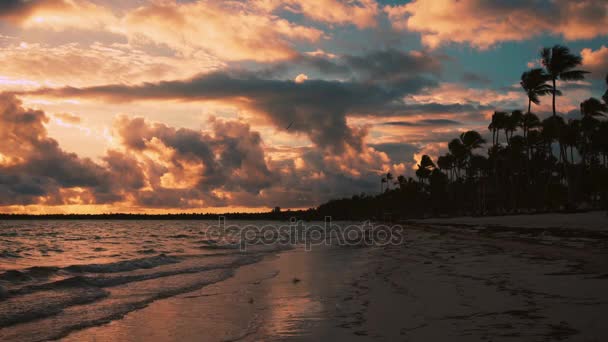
point(441, 285)
point(595, 220)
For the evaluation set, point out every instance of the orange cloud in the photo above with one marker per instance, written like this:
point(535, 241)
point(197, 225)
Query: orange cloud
point(75, 64)
point(449, 93)
point(596, 61)
point(482, 24)
point(362, 13)
point(229, 30)
point(60, 15)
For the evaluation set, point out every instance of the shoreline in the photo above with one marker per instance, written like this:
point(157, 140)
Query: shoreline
point(284, 296)
point(441, 284)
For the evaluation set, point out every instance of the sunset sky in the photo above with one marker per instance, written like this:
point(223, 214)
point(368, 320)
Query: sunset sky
point(183, 106)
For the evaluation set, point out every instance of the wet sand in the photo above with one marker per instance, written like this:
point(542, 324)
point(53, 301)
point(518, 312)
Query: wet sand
point(440, 285)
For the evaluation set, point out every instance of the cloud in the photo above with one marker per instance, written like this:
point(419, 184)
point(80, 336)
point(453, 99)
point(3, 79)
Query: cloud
point(301, 78)
point(361, 13)
point(68, 118)
point(77, 64)
point(483, 23)
point(34, 169)
point(398, 151)
point(18, 10)
point(455, 93)
point(58, 15)
point(228, 30)
point(423, 123)
point(471, 77)
point(596, 61)
point(379, 66)
point(316, 108)
point(157, 166)
point(232, 158)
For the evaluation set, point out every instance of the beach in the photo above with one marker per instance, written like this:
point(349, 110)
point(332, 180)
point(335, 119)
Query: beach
point(439, 285)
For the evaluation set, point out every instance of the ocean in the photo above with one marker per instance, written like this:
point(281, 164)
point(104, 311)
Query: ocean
point(61, 276)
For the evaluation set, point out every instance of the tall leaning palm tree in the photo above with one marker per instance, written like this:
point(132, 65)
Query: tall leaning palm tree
point(534, 83)
point(560, 64)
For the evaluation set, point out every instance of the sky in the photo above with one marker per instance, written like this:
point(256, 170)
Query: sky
point(149, 106)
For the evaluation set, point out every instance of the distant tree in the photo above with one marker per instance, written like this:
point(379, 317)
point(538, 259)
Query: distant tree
point(389, 178)
point(513, 121)
point(425, 168)
point(593, 107)
point(446, 163)
point(471, 140)
point(499, 120)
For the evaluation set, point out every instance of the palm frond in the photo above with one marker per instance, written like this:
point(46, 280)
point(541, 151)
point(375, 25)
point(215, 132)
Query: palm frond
point(573, 75)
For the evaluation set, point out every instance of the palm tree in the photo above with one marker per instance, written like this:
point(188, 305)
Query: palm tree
point(559, 64)
point(498, 122)
point(529, 121)
point(471, 140)
point(382, 181)
point(511, 123)
point(459, 152)
point(446, 163)
point(389, 178)
point(425, 168)
point(534, 83)
point(605, 97)
point(593, 107)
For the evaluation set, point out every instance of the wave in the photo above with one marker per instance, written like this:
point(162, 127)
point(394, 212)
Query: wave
point(123, 266)
point(124, 292)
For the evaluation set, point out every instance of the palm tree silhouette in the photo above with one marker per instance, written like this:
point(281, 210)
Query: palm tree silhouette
point(605, 96)
point(425, 168)
point(389, 178)
point(499, 120)
point(446, 163)
point(471, 140)
point(534, 83)
point(511, 123)
point(593, 107)
point(559, 64)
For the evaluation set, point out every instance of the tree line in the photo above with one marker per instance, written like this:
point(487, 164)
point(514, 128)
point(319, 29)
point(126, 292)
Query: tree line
point(530, 165)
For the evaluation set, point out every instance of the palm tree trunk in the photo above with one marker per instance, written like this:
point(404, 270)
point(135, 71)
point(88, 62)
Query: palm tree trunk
point(554, 91)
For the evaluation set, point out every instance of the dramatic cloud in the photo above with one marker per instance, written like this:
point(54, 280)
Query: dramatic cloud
point(34, 169)
point(596, 61)
point(157, 160)
point(483, 23)
point(317, 108)
point(230, 30)
point(158, 166)
point(379, 66)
